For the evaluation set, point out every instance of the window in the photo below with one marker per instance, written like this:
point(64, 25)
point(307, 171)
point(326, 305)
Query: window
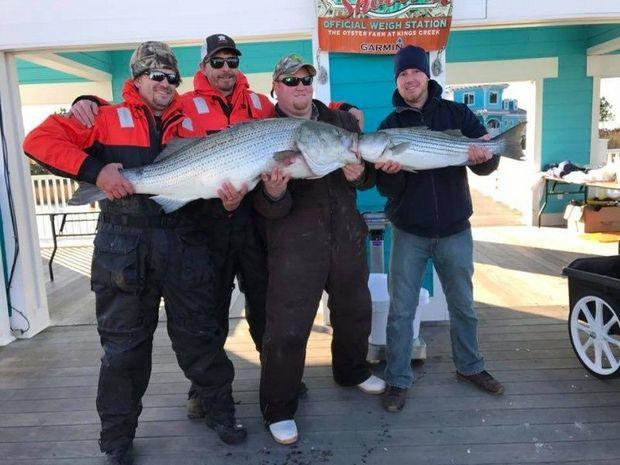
point(493, 97)
point(492, 124)
point(506, 104)
point(468, 98)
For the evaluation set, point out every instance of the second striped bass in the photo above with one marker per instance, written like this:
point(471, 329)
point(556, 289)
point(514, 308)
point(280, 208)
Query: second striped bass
point(418, 148)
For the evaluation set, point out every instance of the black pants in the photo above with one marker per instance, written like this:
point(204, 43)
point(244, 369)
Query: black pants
point(307, 255)
point(238, 250)
point(132, 270)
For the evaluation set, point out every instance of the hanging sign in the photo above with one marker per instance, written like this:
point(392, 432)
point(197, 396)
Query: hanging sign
point(383, 26)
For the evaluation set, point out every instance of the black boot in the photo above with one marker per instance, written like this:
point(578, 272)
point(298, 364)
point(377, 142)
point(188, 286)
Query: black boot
point(228, 429)
point(219, 408)
point(118, 457)
point(194, 407)
point(302, 393)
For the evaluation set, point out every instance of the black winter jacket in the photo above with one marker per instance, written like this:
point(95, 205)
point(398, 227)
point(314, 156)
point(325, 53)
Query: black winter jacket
point(329, 197)
point(432, 203)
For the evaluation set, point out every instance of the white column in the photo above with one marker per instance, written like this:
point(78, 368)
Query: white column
point(437, 307)
point(596, 116)
point(27, 293)
point(533, 140)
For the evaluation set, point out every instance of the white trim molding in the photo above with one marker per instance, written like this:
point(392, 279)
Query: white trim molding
point(599, 67)
point(62, 92)
point(481, 72)
point(596, 116)
point(604, 47)
point(604, 66)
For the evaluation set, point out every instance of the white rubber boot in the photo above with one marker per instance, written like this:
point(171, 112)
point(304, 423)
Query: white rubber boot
point(284, 432)
point(372, 385)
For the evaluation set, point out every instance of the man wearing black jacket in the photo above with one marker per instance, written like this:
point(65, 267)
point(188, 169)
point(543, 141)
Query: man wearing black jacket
point(430, 211)
point(315, 242)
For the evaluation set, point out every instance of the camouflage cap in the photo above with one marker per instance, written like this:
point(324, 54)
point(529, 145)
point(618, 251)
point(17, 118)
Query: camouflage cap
point(290, 64)
point(152, 55)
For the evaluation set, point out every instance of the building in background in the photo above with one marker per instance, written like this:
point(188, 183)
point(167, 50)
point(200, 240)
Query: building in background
point(488, 103)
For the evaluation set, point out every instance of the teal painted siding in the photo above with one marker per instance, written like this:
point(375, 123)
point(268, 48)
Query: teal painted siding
point(119, 71)
point(602, 33)
point(29, 73)
point(99, 60)
point(366, 81)
point(262, 57)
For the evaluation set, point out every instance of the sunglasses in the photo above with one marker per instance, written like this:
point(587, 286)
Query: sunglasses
point(293, 81)
point(158, 76)
point(217, 63)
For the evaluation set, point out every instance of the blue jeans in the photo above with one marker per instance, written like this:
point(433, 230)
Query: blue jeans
point(453, 260)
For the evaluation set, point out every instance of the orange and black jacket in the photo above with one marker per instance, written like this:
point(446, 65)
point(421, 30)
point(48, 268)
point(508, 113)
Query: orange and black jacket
point(211, 112)
point(126, 133)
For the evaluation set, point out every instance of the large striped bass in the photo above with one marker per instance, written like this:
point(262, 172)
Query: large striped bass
point(418, 148)
point(190, 169)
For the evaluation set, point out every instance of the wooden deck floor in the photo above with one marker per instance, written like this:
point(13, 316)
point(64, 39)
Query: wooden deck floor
point(553, 412)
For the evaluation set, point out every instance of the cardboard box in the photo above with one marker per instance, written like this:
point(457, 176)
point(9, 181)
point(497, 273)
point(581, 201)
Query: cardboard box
point(587, 219)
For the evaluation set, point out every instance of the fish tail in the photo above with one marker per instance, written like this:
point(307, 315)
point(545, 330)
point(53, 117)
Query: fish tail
point(86, 193)
point(511, 142)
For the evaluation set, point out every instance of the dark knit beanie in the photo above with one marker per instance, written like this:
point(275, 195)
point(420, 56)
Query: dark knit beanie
point(411, 57)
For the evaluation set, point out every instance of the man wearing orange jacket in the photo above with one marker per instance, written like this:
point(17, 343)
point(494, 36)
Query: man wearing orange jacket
point(142, 254)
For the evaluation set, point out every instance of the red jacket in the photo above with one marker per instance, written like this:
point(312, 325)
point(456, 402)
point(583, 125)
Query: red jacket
point(210, 111)
point(126, 133)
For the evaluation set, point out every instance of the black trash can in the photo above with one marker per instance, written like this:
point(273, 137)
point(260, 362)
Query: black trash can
point(594, 319)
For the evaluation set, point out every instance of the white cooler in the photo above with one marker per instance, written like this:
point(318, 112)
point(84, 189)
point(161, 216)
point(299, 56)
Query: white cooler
point(377, 283)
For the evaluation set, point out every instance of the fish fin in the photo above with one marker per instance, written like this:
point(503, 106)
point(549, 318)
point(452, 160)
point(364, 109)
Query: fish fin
point(512, 142)
point(399, 148)
point(284, 156)
point(168, 204)
point(86, 193)
point(174, 146)
point(248, 122)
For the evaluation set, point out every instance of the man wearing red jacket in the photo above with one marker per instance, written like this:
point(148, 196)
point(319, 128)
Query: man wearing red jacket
point(142, 254)
point(221, 98)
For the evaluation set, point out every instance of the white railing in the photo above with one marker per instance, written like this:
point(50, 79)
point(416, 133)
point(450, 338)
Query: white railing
point(51, 195)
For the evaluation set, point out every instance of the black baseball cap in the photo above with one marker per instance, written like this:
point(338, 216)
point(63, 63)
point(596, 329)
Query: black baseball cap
point(215, 43)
